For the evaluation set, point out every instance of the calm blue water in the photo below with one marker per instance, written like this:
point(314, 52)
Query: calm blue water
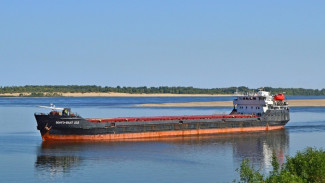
point(214, 158)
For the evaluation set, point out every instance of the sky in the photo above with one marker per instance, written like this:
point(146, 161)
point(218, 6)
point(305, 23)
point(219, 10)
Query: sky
point(204, 44)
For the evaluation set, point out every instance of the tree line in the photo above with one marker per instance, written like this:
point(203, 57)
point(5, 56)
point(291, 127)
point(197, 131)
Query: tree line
point(152, 90)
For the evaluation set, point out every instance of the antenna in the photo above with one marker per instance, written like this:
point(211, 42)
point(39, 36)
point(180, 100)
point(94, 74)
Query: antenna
point(52, 106)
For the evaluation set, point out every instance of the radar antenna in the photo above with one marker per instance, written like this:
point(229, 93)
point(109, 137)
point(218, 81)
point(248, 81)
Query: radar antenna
point(52, 106)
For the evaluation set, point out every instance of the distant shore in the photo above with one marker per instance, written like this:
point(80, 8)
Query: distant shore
point(112, 94)
point(292, 103)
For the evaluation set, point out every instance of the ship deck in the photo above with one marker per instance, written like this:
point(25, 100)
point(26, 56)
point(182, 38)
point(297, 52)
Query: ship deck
point(166, 118)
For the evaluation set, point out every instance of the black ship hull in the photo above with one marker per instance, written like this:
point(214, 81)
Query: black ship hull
point(58, 127)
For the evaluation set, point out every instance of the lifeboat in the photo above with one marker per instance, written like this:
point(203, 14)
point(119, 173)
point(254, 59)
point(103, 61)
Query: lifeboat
point(279, 97)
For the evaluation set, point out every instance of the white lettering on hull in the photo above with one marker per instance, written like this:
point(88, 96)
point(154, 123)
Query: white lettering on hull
point(67, 122)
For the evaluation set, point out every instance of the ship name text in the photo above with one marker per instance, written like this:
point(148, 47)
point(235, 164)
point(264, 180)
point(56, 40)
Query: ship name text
point(67, 122)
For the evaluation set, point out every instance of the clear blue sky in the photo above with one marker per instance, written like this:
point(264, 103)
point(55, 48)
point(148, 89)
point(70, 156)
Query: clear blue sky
point(203, 43)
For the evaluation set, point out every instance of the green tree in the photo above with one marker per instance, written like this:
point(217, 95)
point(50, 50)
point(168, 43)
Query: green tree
point(248, 174)
point(307, 166)
point(162, 89)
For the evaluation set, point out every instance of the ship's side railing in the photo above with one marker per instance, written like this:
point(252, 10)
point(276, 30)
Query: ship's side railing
point(279, 107)
point(57, 114)
point(39, 113)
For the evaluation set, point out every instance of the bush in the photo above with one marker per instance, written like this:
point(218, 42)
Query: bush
point(306, 166)
point(248, 174)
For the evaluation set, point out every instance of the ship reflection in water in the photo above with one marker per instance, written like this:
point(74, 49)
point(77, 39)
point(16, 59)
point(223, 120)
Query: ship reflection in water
point(55, 159)
point(56, 165)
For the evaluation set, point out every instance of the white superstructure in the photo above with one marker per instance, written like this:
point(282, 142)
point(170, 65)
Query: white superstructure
point(257, 103)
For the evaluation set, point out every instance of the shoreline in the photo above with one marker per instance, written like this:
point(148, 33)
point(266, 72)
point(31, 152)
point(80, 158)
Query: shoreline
point(113, 94)
point(292, 103)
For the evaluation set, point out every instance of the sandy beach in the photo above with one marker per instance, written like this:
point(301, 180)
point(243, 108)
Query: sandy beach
point(112, 94)
point(292, 103)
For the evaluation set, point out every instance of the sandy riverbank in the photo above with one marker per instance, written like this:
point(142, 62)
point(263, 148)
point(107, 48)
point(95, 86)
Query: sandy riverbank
point(292, 103)
point(112, 94)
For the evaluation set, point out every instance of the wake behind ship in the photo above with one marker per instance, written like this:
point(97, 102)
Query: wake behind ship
point(252, 112)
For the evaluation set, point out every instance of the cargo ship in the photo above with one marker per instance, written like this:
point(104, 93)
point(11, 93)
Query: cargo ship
point(252, 112)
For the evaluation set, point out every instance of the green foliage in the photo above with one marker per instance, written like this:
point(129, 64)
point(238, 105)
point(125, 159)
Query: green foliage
point(309, 165)
point(284, 177)
point(143, 89)
point(275, 164)
point(305, 167)
point(248, 174)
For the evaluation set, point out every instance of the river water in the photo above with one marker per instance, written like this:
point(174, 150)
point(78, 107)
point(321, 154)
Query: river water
point(207, 158)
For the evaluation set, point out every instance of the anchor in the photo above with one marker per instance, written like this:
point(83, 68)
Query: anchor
point(46, 128)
